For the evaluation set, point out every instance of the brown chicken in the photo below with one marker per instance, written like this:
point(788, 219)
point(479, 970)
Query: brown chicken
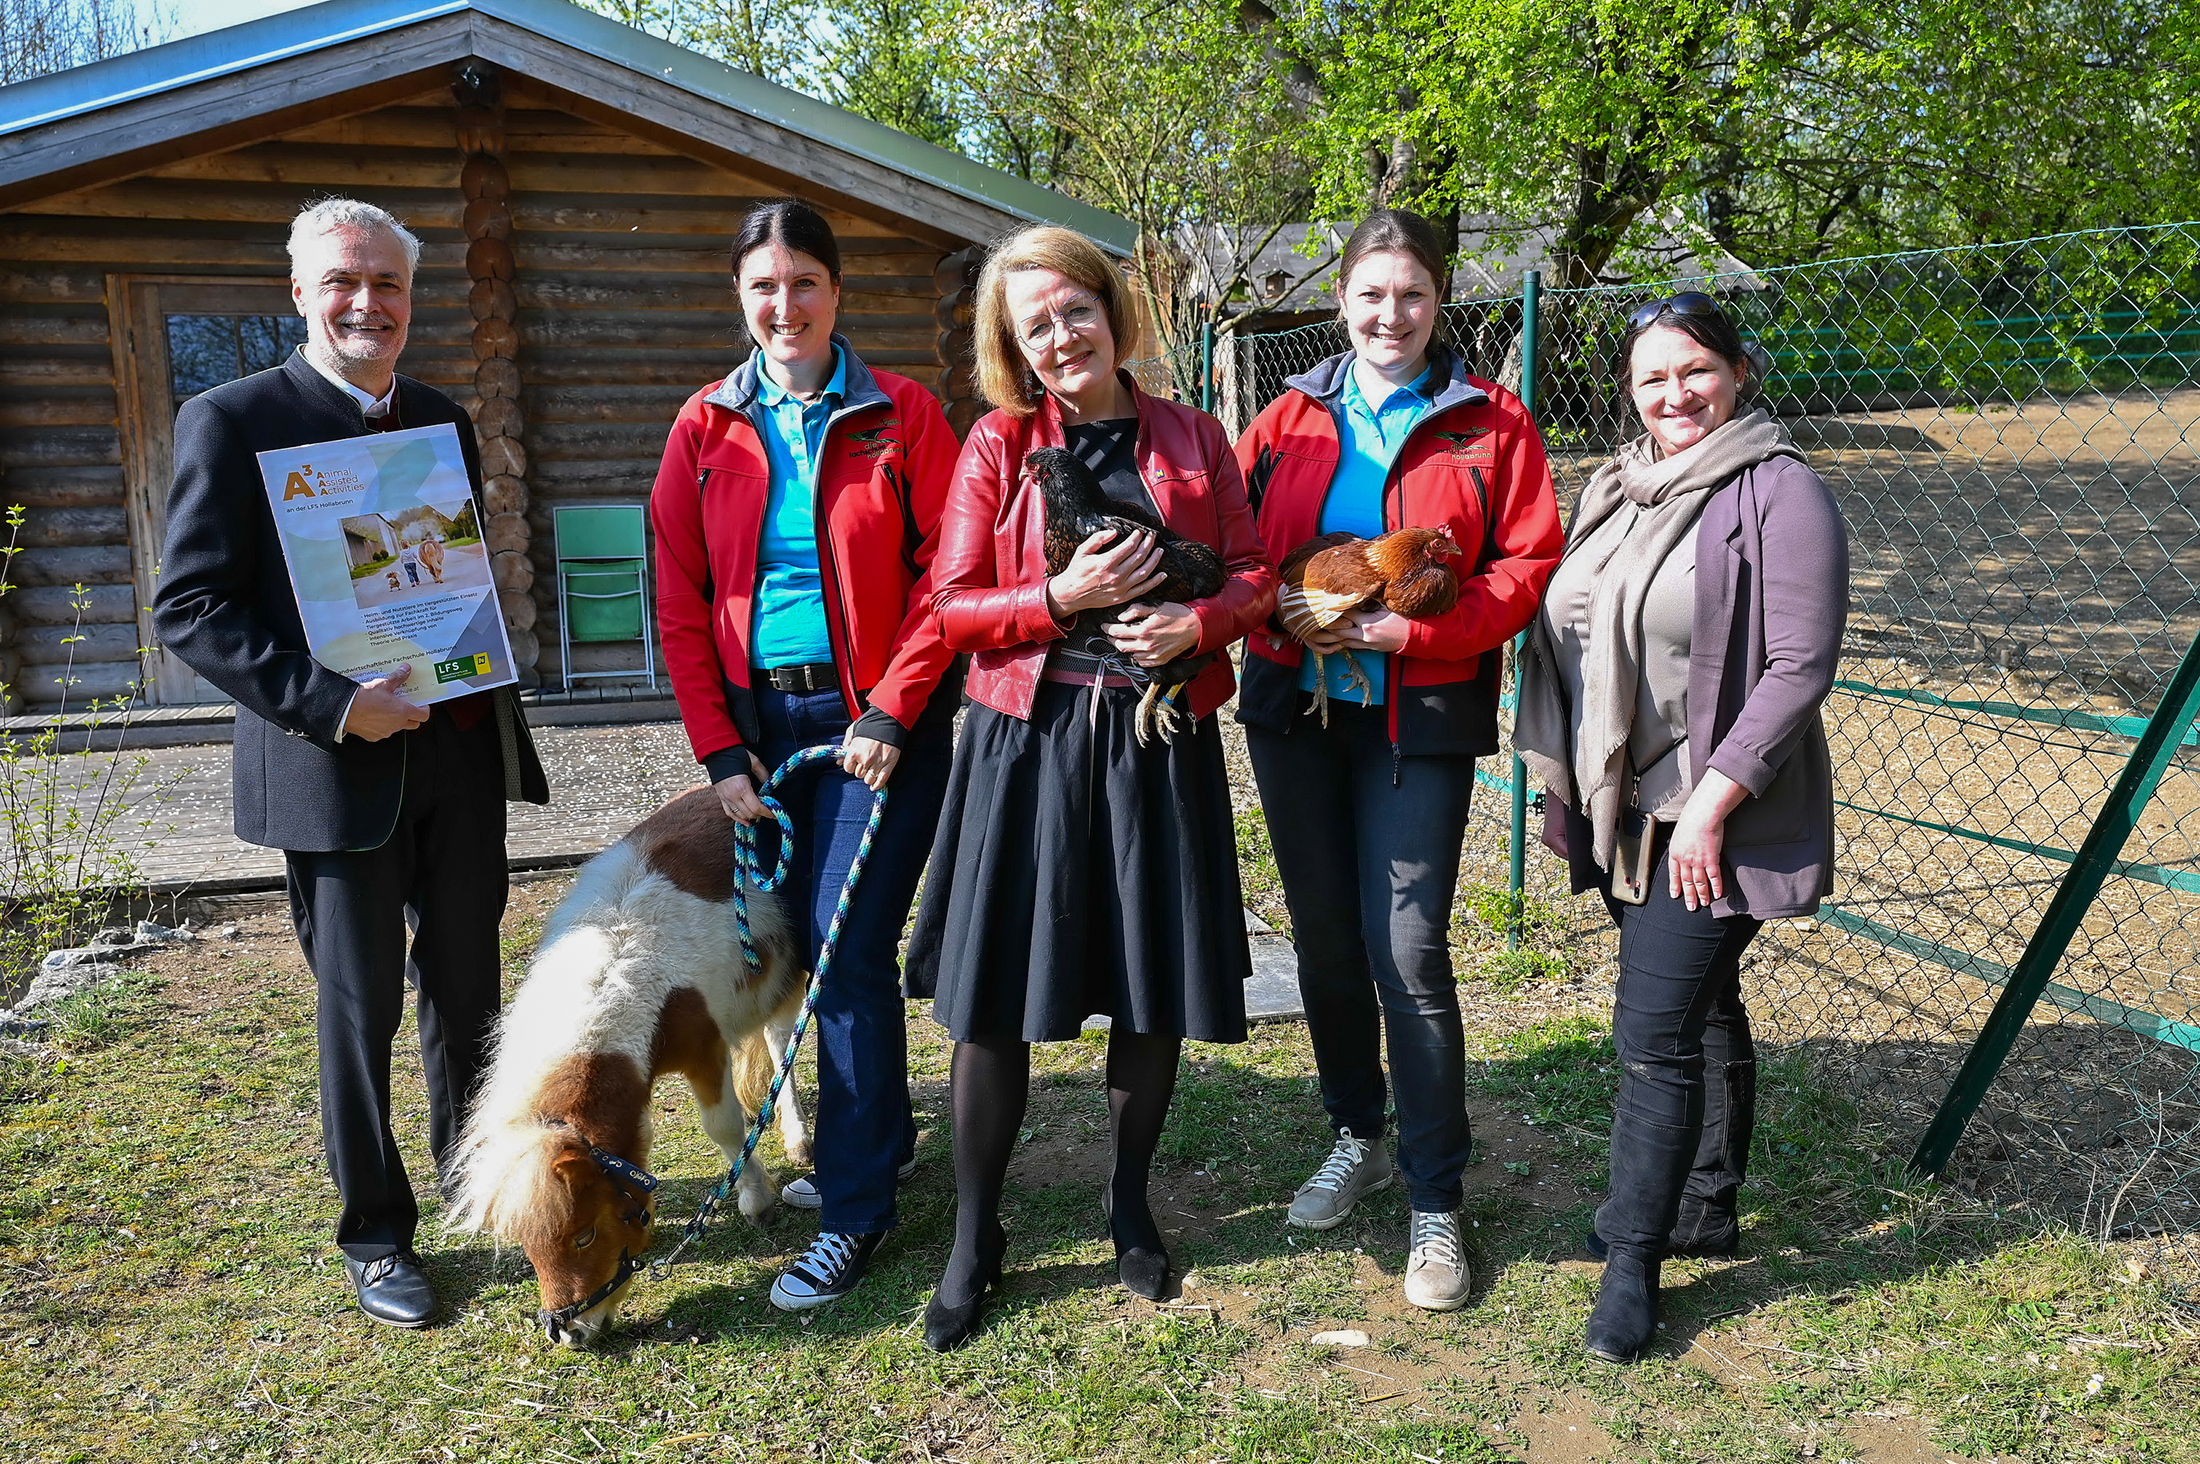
point(1327, 578)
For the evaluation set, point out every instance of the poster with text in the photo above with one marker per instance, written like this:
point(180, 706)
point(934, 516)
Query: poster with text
point(385, 552)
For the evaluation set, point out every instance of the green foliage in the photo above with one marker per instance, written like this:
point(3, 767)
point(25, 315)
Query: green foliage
point(1162, 113)
point(1780, 132)
point(1511, 971)
point(1560, 1071)
point(1482, 937)
point(771, 38)
point(881, 62)
point(1159, 112)
point(64, 817)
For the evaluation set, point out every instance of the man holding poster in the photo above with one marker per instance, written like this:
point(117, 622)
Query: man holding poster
point(384, 787)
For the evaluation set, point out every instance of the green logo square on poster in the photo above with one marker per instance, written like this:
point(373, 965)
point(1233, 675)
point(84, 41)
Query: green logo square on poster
point(459, 668)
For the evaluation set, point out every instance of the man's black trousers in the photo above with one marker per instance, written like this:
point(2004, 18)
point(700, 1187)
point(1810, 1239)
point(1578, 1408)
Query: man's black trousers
point(441, 878)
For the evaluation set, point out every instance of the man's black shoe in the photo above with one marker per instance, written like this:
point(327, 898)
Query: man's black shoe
point(392, 1289)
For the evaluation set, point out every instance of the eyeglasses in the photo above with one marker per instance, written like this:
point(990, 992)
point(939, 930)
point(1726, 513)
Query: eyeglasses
point(1078, 320)
point(1687, 302)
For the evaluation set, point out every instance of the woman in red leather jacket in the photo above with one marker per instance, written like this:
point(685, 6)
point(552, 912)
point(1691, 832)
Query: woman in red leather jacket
point(1077, 871)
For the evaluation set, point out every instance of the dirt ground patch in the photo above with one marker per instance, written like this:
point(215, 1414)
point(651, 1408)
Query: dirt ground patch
point(165, 1280)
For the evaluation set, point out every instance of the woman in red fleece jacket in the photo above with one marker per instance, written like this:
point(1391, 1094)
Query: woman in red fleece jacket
point(1367, 809)
point(1077, 870)
point(797, 513)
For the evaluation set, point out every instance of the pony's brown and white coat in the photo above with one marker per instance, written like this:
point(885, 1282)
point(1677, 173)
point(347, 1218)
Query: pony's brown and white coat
point(640, 974)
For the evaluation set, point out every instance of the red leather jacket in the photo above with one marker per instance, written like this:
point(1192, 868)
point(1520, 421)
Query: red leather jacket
point(1475, 462)
point(990, 577)
point(881, 481)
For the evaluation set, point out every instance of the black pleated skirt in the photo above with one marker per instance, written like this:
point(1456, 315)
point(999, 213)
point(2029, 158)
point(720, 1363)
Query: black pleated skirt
point(1077, 874)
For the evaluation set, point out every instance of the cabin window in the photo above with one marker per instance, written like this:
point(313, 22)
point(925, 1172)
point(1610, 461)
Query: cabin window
point(206, 350)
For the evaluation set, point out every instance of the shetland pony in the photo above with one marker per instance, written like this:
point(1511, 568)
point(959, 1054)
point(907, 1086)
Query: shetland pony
point(639, 975)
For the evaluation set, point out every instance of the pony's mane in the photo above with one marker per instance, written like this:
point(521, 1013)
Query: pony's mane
point(508, 1184)
point(592, 989)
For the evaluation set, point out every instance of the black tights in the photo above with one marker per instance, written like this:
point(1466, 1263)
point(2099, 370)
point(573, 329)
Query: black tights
point(987, 1089)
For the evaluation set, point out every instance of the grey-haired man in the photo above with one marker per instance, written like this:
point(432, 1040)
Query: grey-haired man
point(390, 816)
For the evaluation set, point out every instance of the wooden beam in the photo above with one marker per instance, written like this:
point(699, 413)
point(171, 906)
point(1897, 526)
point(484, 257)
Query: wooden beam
point(68, 487)
point(374, 165)
point(910, 260)
point(135, 136)
point(617, 97)
point(98, 564)
point(60, 447)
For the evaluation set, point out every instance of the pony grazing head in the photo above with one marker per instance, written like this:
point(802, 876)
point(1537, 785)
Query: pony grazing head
point(582, 1214)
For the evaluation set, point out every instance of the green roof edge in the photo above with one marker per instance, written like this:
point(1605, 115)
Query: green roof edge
point(63, 94)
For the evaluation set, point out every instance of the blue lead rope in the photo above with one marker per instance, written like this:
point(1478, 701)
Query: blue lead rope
point(750, 872)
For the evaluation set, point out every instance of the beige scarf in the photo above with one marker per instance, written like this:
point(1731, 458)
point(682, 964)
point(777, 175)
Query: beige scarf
point(1587, 770)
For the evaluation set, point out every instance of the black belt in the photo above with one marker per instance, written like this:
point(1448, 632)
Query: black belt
point(823, 676)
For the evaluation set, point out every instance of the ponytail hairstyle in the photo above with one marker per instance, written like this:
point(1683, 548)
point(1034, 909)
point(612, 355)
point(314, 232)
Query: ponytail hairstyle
point(1395, 231)
point(793, 225)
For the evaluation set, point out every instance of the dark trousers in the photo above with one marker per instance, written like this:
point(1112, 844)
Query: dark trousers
point(1368, 847)
point(442, 874)
point(863, 1127)
point(1688, 1070)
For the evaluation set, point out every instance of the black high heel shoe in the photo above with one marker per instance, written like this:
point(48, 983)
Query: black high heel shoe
point(948, 1327)
point(1144, 1272)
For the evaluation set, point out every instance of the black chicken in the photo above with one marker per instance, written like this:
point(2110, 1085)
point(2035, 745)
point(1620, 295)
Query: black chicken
point(1076, 508)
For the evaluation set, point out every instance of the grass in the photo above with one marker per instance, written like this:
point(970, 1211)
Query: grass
point(167, 1290)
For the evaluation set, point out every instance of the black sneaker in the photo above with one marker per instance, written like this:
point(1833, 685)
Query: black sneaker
point(827, 1271)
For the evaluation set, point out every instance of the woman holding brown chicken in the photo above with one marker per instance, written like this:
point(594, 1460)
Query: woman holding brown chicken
point(1364, 749)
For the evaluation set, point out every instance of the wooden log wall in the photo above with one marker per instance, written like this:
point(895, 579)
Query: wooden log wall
point(955, 280)
point(60, 461)
point(619, 305)
point(626, 309)
point(221, 215)
point(498, 423)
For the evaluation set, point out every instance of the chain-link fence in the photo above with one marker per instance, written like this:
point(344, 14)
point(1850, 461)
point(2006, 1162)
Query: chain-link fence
point(2013, 433)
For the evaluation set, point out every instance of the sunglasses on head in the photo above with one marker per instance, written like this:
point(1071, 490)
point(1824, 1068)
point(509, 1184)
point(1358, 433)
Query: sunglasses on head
point(1687, 302)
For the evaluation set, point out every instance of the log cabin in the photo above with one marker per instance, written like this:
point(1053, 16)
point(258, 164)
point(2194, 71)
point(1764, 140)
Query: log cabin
point(575, 183)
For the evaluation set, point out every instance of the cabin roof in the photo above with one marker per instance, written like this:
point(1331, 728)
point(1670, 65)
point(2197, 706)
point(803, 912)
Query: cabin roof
point(90, 123)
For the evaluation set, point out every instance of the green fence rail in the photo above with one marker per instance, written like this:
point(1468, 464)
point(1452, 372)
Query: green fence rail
point(2011, 962)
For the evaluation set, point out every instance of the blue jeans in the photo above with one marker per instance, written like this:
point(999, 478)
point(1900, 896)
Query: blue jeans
point(862, 1128)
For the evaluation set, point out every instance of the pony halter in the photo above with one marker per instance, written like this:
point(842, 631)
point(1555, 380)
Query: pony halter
point(621, 1172)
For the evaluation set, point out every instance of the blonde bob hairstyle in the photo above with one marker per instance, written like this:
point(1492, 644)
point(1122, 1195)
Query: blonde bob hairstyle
point(1003, 377)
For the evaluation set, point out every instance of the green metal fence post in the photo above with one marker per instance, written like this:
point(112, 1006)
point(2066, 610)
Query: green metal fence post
point(1531, 290)
point(2164, 734)
point(1207, 367)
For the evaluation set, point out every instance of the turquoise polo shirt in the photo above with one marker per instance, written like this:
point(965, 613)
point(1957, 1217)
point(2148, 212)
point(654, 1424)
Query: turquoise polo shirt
point(1367, 445)
point(787, 624)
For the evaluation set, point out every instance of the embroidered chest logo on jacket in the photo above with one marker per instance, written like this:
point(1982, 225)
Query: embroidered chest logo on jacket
point(872, 442)
point(1464, 442)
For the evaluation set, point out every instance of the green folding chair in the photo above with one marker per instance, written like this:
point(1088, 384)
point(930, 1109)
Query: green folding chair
point(603, 584)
